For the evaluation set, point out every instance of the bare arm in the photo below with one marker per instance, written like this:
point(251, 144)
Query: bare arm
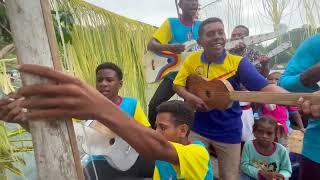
point(273, 88)
point(297, 118)
point(194, 100)
point(155, 46)
point(146, 141)
point(75, 99)
point(311, 76)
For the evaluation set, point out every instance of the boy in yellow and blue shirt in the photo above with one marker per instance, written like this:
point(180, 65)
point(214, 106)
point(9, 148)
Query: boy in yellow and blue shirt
point(174, 122)
point(170, 37)
point(109, 82)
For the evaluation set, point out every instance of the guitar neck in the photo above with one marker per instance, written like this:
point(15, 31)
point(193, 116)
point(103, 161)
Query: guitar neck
point(289, 99)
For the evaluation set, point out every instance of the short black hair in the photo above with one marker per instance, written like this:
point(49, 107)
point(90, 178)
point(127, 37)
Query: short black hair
point(266, 119)
point(181, 112)
point(112, 66)
point(207, 21)
point(244, 27)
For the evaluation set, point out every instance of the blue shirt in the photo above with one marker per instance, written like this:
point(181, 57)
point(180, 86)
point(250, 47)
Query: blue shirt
point(306, 56)
point(174, 31)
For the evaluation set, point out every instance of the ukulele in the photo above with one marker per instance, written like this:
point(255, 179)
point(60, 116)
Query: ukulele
point(93, 138)
point(219, 94)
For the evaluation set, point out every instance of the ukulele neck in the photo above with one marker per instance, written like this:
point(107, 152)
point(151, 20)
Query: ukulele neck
point(290, 99)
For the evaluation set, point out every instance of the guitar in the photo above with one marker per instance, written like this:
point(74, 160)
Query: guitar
point(93, 138)
point(219, 94)
point(158, 65)
point(282, 47)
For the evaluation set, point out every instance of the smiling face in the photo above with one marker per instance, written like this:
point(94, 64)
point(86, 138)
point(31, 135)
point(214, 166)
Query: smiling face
point(189, 7)
point(108, 83)
point(213, 39)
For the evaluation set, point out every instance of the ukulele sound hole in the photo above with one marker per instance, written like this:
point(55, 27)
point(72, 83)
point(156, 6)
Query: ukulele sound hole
point(208, 94)
point(112, 141)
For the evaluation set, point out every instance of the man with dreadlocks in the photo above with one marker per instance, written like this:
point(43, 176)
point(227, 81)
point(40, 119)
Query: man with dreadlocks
point(170, 37)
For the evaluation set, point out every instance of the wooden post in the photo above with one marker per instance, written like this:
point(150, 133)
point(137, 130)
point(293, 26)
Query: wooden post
point(54, 142)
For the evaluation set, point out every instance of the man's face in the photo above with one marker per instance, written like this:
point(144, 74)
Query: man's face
point(189, 7)
point(108, 83)
point(166, 126)
point(265, 134)
point(213, 39)
point(239, 33)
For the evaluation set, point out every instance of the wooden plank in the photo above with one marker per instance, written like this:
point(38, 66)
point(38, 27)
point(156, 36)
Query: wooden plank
point(33, 39)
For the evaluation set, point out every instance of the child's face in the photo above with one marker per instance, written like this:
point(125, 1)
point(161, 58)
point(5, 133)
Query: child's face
point(273, 78)
point(264, 133)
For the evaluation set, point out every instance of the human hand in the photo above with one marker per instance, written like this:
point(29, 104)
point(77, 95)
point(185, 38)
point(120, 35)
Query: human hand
point(10, 109)
point(268, 175)
point(278, 176)
point(197, 103)
point(69, 98)
point(308, 108)
point(176, 48)
point(263, 59)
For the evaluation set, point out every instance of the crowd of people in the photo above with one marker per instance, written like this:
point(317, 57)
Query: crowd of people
point(173, 141)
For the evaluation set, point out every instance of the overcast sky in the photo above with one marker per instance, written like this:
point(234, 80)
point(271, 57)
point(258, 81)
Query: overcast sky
point(252, 13)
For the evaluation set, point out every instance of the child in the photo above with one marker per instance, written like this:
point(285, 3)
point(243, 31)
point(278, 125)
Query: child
point(281, 113)
point(263, 158)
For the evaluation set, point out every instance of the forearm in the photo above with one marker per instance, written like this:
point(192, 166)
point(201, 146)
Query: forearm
point(297, 118)
point(145, 141)
point(157, 47)
point(182, 92)
point(273, 88)
point(311, 76)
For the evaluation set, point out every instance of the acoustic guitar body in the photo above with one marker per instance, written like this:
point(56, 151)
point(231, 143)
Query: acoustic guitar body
point(215, 93)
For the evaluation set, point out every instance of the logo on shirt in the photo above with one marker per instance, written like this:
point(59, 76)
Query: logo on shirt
point(200, 70)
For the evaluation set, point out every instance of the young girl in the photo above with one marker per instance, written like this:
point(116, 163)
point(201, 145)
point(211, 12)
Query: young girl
point(263, 158)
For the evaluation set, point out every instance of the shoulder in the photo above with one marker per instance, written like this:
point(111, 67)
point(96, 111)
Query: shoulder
point(193, 57)
point(196, 149)
point(248, 144)
point(235, 58)
point(280, 148)
point(129, 99)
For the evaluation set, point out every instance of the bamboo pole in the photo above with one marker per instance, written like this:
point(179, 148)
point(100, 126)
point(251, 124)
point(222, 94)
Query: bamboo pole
point(54, 142)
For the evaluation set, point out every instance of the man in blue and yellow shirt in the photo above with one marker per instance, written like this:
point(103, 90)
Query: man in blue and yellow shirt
point(170, 37)
point(220, 128)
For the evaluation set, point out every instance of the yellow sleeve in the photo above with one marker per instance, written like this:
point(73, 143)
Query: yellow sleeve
point(140, 117)
point(183, 74)
point(193, 161)
point(163, 34)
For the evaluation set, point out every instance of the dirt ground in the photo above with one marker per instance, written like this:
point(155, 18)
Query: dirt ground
point(295, 141)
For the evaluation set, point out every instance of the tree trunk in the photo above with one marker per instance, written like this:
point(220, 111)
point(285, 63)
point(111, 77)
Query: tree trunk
point(54, 142)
